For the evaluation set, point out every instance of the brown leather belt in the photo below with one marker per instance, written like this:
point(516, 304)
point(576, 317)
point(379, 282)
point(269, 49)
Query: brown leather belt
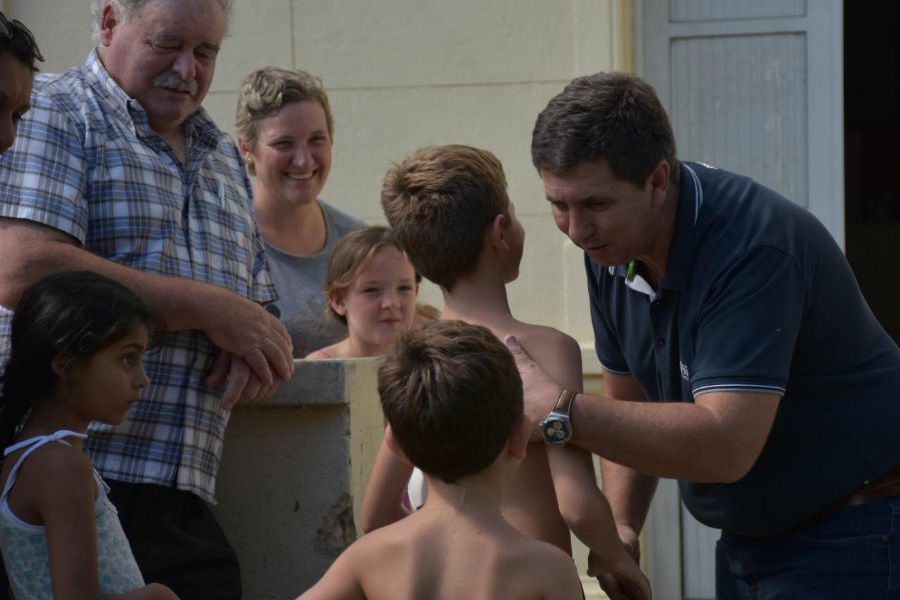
point(883, 486)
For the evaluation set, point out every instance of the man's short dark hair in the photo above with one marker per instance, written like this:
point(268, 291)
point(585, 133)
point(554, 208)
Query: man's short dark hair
point(607, 116)
point(452, 395)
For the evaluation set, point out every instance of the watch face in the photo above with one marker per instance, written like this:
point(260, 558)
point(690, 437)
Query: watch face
point(556, 431)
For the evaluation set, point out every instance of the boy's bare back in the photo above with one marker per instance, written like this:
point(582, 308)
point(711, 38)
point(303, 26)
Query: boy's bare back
point(530, 502)
point(445, 554)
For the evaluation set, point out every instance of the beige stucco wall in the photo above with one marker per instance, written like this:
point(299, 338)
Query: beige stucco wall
point(407, 73)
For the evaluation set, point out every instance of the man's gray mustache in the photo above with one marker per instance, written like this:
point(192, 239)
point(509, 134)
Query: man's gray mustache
point(173, 81)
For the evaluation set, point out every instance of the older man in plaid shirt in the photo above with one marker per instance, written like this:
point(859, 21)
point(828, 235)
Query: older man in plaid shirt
point(117, 169)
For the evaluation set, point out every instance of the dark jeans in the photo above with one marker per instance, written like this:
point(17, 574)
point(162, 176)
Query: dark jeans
point(177, 541)
point(854, 553)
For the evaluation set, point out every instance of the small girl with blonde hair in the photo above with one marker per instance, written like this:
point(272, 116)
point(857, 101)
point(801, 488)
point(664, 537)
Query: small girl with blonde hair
point(372, 288)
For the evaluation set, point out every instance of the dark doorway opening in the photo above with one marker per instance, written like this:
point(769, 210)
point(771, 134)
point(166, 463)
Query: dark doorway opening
point(872, 154)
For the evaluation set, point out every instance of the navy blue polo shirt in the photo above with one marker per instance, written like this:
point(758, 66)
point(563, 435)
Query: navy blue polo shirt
point(757, 297)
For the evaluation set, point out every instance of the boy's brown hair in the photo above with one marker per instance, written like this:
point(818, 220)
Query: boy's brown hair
point(440, 200)
point(452, 394)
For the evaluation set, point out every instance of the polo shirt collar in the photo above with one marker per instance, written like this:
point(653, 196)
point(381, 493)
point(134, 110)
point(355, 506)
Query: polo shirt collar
point(637, 283)
point(690, 201)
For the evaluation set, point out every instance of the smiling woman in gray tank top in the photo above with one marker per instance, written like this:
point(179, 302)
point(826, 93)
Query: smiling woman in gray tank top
point(285, 131)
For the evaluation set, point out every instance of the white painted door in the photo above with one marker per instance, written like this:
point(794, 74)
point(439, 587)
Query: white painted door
point(756, 87)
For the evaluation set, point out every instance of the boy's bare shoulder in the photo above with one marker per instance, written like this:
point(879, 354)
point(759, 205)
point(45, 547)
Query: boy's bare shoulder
point(384, 544)
point(530, 335)
point(557, 353)
point(539, 567)
point(534, 552)
point(360, 569)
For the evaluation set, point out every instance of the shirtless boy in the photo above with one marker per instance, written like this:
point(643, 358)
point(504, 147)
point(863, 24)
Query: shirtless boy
point(453, 400)
point(449, 207)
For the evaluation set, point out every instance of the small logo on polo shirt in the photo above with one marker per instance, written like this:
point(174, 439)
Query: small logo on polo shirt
point(685, 373)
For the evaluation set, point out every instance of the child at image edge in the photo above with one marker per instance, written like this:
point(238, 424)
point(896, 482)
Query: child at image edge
point(449, 207)
point(453, 400)
point(77, 345)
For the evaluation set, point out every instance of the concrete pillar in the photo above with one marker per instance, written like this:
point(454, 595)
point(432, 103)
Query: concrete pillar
point(293, 474)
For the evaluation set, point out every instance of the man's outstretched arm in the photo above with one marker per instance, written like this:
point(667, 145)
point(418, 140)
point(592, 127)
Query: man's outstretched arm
point(715, 439)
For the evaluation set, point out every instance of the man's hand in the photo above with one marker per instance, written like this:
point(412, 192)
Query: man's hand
point(233, 323)
point(540, 391)
point(621, 579)
point(247, 331)
point(240, 382)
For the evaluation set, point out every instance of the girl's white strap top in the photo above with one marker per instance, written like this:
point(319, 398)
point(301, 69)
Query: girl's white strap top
point(33, 444)
point(24, 545)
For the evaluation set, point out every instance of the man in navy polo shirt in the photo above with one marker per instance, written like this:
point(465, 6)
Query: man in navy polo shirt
point(763, 382)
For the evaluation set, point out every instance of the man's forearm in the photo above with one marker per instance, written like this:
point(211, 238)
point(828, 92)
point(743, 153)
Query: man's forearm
point(715, 443)
point(717, 438)
point(235, 324)
point(650, 438)
point(32, 252)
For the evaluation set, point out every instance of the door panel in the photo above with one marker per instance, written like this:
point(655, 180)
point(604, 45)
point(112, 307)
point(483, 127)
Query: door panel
point(763, 140)
point(713, 10)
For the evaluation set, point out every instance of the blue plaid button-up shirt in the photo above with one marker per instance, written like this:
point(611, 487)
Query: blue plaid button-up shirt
point(87, 163)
